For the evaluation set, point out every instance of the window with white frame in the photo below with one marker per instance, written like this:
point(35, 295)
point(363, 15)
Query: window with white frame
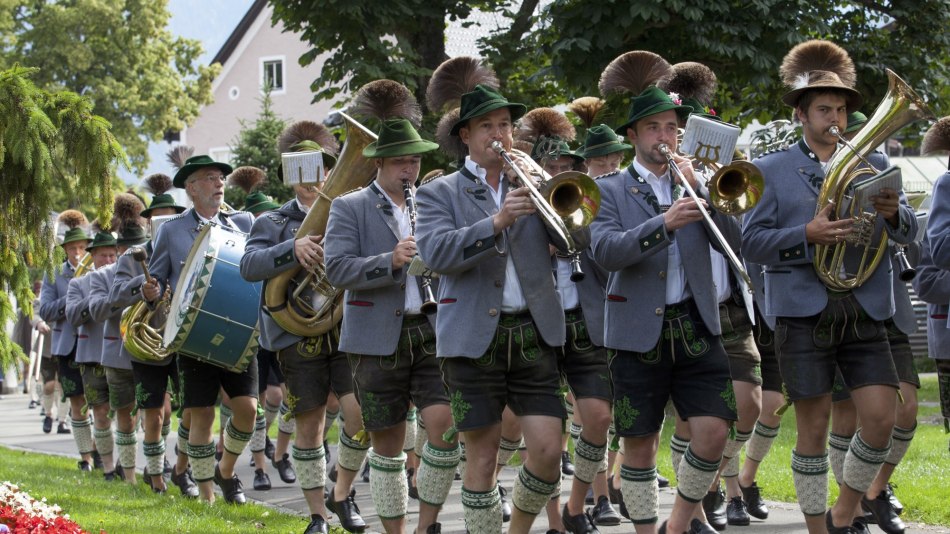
point(272, 74)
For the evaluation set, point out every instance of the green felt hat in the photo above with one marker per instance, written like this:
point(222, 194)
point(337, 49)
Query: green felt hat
point(856, 120)
point(130, 235)
point(700, 109)
point(482, 100)
point(194, 163)
point(75, 234)
point(600, 141)
point(651, 101)
point(397, 138)
point(258, 202)
point(552, 147)
point(162, 201)
point(102, 239)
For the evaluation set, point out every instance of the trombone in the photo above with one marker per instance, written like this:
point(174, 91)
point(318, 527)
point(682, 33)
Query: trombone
point(570, 202)
point(727, 250)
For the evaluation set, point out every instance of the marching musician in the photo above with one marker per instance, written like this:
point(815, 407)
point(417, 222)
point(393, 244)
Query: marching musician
point(312, 366)
point(152, 377)
point(499, 316)
point(203, 180)
point(660, 279)
point(117, 365)
point(781, 233)
point(53, 311)
point(603, 150)
point(370, 246)
point(89, 347)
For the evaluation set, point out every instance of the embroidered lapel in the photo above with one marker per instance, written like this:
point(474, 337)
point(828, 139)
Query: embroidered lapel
point(641, 192)
point(810, 169)
point(477, 192)
point(385, 210)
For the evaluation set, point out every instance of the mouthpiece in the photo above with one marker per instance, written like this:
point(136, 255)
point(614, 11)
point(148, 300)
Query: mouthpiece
point(497, 146)
point(835, 131)
point(664, 149)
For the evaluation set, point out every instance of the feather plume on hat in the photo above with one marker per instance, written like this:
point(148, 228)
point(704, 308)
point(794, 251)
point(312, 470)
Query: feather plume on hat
point(451, 145)
point(548, 123)
point(937, 138)
point(126, 211)
point(691, 80)
point(247, 178)
point(72, 219)
point(178, 155)
point(587, 108)
point(633, 72)
point(816, 55)
point(386, 99)
point(303, 134)
point(97, 226)
point(158, 183)
point(455, 77)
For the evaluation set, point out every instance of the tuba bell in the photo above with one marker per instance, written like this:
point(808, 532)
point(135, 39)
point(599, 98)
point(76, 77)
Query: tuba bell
point(284, 297)
point(736, 188)
point(900, 107)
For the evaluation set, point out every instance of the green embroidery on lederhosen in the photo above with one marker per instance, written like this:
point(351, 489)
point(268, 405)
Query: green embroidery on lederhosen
point(459, 406)
point(309, 347)
point(527, 337)
point(729, 395)
point(141, 397)
point(69, 387)
point(373, 410)
point(99, 371)
point(291, 402)
point(624, 413)
point(695, 345)
point(92, 396)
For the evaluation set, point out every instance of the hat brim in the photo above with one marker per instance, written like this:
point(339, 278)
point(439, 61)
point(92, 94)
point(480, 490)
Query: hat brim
point(853, 99)
point(681, 111)
point(184, 172)
point(254, 209)
point(75, 239)
point(412, 148)
point(147, 212)
point(517, 111)
point(607, 148)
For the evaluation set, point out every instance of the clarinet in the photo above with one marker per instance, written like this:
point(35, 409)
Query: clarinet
point(429, 305)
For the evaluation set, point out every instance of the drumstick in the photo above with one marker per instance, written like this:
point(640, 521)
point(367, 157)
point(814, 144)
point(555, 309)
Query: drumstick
point(139, 255)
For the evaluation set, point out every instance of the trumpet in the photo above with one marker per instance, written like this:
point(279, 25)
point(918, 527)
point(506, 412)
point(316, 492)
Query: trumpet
point(730, 255)
point(430, 304)
point(566, 202)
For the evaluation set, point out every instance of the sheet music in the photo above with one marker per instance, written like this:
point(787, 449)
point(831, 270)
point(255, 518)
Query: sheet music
point(710, 141)
point(866, 187)
point(302, 167)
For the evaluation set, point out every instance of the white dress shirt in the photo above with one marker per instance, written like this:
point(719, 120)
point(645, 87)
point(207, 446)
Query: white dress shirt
point(413, 302)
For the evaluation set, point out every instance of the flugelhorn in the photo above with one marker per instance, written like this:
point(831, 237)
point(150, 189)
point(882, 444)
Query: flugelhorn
point(565, 203)
point(429, 305)
point(727, 250)
point(900, 107)
point(139, 338)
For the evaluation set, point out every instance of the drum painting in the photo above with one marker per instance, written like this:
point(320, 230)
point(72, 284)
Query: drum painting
point(213, 315)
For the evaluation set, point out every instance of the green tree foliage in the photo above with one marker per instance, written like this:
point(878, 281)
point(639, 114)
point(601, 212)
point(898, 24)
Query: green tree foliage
point(45, 138)
point(116, 53)
point(256, 146)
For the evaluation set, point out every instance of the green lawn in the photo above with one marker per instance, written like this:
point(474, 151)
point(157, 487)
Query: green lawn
point(922, 481)
point(120, 508)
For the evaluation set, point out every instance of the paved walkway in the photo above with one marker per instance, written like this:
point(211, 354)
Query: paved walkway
point(22, 429)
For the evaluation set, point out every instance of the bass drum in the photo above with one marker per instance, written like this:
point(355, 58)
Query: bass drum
point(213, 315)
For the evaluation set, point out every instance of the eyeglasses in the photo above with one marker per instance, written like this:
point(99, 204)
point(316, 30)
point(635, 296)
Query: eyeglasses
point(211, 177)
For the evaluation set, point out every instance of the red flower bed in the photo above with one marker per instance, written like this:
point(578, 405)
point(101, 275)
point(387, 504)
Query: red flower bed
point(22, 514)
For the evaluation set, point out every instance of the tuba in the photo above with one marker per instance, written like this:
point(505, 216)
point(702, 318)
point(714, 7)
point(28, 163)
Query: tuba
point(900, 107)
point(283, 294)
point(84, 265)
point(139, 337)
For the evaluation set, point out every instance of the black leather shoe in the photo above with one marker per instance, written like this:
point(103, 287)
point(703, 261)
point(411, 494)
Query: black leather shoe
point(47, 424)
point(434, 528)
point(84, 466)
point(662, 481)
point(148, 481)
point(285, 469)
point(33, 404)
point(616, 497)
point(505, 505)
point(365, 473)
point(603, 514)
point(269, 448)
point(755, 505)
point(860, 526)
point(895, 504)
point(109, 477)
point(413, 490)
point(318, 525)
point(96, 460)
point(578, 524)
point(347, 511)
point(832, 529)
point(186, 483)
point(62, 428)
point(261, 480)
point(232, 488)
point(698, 527)
point(567, 467)
point(736, 513)
point(714, 505)
point(884, 514)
